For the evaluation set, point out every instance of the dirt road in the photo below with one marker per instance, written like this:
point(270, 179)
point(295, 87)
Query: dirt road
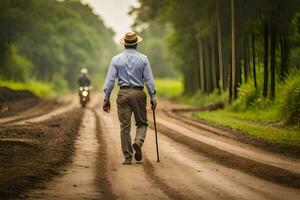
point(195, 164)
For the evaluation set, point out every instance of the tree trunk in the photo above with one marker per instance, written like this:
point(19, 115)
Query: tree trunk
point(213, 62)
point(273, 63)
point(266, 59)
point(246, 61)
point(220, 52)
point(230, 84)
point(238, 59)
point(253, 60)
point(201, 65)
point(233, 50)
point(208, 67)
point(284, 55)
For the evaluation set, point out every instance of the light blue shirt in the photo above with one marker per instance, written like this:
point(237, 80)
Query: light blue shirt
point(132, 68)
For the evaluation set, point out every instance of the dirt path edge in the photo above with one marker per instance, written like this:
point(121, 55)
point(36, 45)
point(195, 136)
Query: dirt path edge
point(34, 166)
point(261, 170)
point(102, 180)
point(239, 135)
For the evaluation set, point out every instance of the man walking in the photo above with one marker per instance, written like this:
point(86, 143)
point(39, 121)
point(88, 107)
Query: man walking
point(133, 70)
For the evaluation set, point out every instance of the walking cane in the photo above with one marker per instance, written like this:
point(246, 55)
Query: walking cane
point(157, 153)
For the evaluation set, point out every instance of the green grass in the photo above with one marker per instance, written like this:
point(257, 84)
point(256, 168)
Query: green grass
point(169, 88)
point(258, 124)
point(202, 99)
point(173, 89)
point(40, 89)
point(270, 115)
point(253, 114)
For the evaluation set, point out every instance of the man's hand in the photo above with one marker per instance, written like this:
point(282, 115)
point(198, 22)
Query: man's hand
point(106, 106)
point(153, 104)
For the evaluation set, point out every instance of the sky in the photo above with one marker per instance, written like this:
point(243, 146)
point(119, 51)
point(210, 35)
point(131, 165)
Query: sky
point(114, 14)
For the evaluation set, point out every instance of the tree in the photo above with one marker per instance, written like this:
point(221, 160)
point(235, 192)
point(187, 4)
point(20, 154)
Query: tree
point(220, 51)
point(231, 44)
point(53, 40)
point(233, 51)
point(266, 59)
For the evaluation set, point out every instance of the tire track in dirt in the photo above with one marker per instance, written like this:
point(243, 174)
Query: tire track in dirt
point(102, 167)
point(172, 193)
point(84, 177)
point(127, 181)
point(38, 110)
point(194, 176)
point(183, 173)
point(235, 134)
point(261, 170)
point(78, 177)
point(232, 145)
point(71, 105)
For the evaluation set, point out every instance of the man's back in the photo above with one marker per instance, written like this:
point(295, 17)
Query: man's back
point(130, 65)
point(132, 69)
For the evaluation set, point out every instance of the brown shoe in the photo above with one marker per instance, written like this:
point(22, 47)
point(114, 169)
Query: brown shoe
point(138, 152)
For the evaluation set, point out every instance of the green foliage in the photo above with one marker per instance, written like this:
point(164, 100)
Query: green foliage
point(199, 98)
point(257, 115)
point(253, 126)
point(51, 41)
point(290, 106)
point(16, 67)
point(295, 38)
point(60, 84)
point(261, 117)
point(204, 26)
point(162, 60)
point(250, 98)
point(285, 107)
point(38, 88)
point(169, 88)
point(173, 89)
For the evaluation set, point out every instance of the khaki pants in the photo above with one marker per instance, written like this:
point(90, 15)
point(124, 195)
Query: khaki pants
point(132, 101)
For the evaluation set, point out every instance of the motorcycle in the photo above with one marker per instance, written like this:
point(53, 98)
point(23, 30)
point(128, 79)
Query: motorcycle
point(84, 95)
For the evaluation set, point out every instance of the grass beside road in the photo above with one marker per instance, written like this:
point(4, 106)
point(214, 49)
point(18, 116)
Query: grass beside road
point(40, 89)
point(173, 89)
point(263, 125)
point(169, 88)
point(263, 121)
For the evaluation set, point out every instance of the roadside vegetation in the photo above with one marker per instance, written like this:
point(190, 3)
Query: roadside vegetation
point(244, 53)
point(44, 44)
point(169, 88)
point(276, 120)
point(40, 89)
point(173, 89)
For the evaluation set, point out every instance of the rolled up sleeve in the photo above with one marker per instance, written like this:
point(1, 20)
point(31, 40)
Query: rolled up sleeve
point(110, 80)
point(149, 80)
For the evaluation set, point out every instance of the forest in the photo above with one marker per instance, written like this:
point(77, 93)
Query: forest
point(44, 41)
point(247, 51)
point(243, 52)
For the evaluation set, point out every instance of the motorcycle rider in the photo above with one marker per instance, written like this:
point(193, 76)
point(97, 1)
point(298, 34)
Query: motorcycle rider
point(84, 81)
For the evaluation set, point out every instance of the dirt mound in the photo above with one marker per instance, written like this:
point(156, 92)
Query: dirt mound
point(9, 95)
point(33, 153)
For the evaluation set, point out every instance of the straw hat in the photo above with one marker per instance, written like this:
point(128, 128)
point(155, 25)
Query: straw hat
point(130, 39)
